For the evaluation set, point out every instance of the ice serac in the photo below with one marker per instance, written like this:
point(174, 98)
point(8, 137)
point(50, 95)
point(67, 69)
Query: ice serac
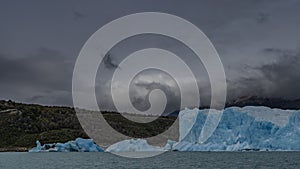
point(78, 145)
point(248, 128)
point(187, 121)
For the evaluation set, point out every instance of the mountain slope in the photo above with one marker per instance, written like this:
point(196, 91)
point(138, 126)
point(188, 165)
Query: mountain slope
point(22, 124)
point(268, 102)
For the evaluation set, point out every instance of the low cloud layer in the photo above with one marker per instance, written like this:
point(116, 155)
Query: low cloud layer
point(258, 44)
point(43, 76)
point(279, 78)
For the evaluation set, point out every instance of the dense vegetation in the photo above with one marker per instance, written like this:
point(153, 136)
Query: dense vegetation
point(22, 124)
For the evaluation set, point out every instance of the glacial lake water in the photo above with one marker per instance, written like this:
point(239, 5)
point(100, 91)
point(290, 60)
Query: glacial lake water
point(263, 160)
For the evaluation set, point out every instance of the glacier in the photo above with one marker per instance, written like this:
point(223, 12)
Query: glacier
point(78, 145)
point(240, 129)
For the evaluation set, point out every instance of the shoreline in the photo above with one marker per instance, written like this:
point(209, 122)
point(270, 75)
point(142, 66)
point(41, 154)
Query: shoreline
point(14, 149)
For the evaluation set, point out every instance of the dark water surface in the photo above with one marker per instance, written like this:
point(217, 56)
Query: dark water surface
point(166, 160)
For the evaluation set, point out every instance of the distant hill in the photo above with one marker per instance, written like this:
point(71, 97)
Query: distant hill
point(22, 124)
point(256, 101)
point(269, 102)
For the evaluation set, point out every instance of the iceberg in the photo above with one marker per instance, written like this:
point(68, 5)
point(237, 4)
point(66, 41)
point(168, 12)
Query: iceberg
point(133, 145)
point(78, 145)
point(239, 129)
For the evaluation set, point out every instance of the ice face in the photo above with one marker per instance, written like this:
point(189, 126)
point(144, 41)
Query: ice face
point(187, 122)
point(248, 128)
point(260, 113)
point(243, 128)
point(78, 145)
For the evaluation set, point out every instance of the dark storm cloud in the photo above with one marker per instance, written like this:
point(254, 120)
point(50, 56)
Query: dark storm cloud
point(42, 73)
point(35, 98)
point(262, 17)
point(283, 73)
point(109, 62)
point(149, 80)
point(279, 78)
point(241, 31)
point(78, 15)
point(157, 85)
point(171, 92)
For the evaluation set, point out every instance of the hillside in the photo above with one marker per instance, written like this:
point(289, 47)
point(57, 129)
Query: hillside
point(22, 124)
point(268, 102)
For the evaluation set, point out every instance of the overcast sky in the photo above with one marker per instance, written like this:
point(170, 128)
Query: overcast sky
point(258, 42)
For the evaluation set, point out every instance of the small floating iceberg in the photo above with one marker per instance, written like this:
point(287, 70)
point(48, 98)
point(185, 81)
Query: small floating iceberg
point(137, 145)
point(78, 145)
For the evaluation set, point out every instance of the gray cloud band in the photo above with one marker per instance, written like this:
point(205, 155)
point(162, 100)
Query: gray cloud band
point(89, 59)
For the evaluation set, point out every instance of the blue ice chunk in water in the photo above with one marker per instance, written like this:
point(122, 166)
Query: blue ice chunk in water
point(78, 145)
point(38, 147)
